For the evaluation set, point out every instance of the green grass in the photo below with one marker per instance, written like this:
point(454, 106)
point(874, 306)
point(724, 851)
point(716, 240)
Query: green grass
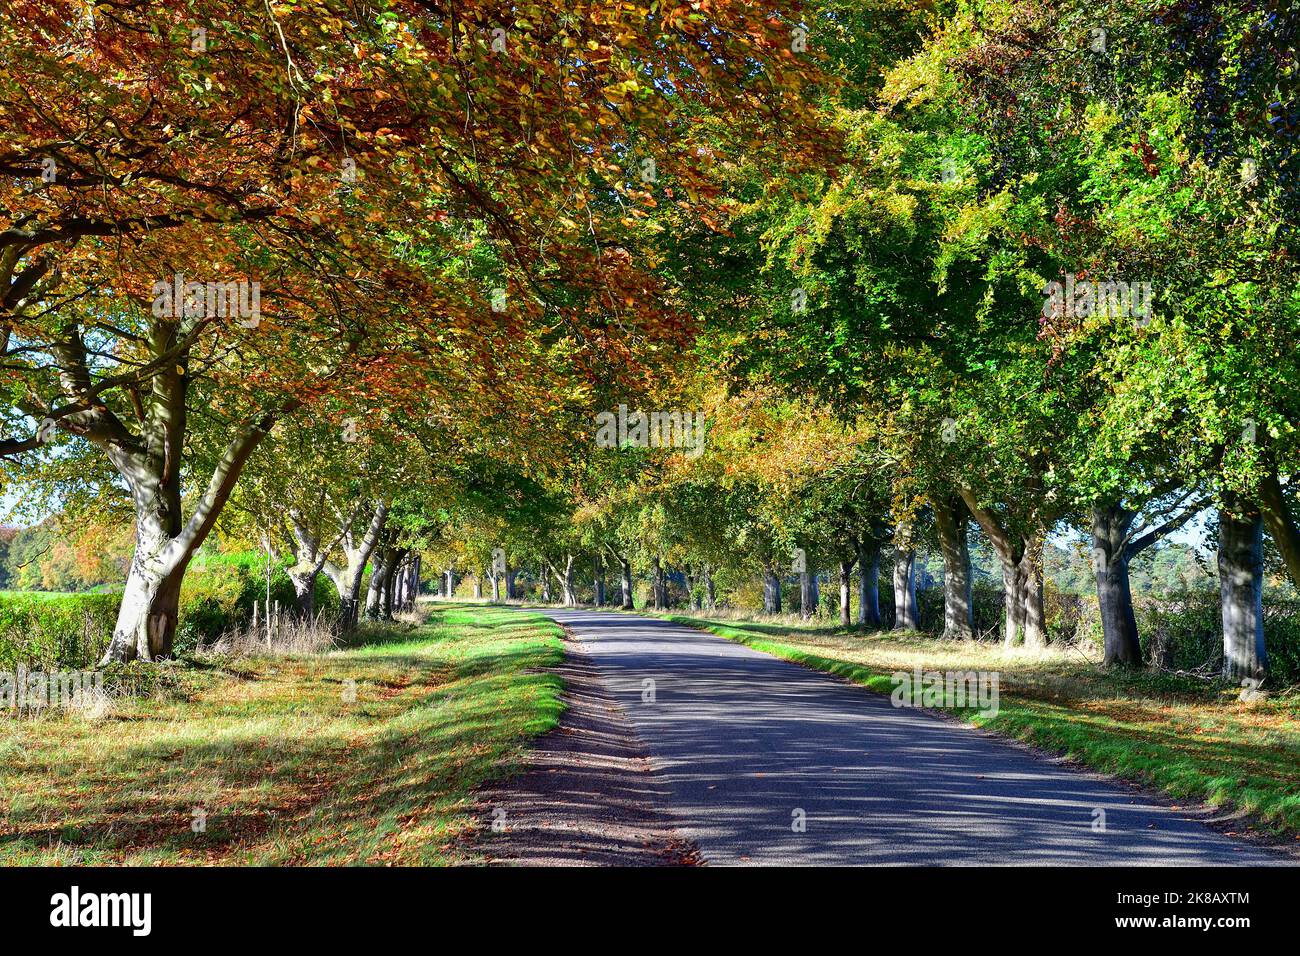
point(1195, 741)
point(287, 770)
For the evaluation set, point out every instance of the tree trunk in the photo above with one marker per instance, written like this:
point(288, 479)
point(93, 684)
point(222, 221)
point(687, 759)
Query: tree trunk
point(568, 593)
point(451, 583)
point(692, 598)
point(950, 517)
point(478, 585)
point(545, 575)
point(771, 591)
point(807, 595)
point(598, 580)
point(906, 616)
point(1241, 584)
point(625, 583)
point(1031, 595)
point(496, 588)
point(379, 595)
point(710, 594)
point(1021, 557)
point(347, 580)
point(147, 617)
point(165, 542)
point(1276, 512)
point(1110, 561)
point(660, 587)
point(511, 592)
point(846, 576)
point(869, 583)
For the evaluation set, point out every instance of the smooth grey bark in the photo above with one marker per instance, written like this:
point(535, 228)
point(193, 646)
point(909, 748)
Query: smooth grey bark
point(598, 580)
point(310, 557)
point(496, 587)
point(869, 583)
point(1021, 557)
point(1275, 508)
point(545, 575)
point(625, 582)
point(1033, 614)
point(771, 591)
point(357, 551)
point(710, 592)
point(478, 585)
point(379, 604)
point(659, 584)
point(1241, 589)
point(950, 517)
point(451, 583)
point(906, 615)
point(568, 592)
point(692, 598)
point(1110, 562)
point(846, 590)
point(165, 541)
point(1116, 540)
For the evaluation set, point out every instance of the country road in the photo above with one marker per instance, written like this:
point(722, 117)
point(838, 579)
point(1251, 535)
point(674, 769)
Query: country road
point(747, 745)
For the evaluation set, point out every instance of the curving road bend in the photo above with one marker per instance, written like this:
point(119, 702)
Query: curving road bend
point(750, 745)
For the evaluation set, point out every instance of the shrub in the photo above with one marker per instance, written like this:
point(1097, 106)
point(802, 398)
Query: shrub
point(55, 631)
point(71, 631)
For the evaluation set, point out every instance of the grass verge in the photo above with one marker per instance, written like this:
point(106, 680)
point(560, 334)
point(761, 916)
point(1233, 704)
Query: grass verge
point(1193, 740)
point(277, 761)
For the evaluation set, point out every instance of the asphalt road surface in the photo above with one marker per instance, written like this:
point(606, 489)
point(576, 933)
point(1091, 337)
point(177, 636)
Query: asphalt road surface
point(751, 747)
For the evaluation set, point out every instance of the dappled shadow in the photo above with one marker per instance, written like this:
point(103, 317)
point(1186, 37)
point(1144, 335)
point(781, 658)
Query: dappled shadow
point(587, 795)
point(749, 745)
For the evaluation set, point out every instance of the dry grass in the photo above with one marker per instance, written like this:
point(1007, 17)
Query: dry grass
point(361, 755)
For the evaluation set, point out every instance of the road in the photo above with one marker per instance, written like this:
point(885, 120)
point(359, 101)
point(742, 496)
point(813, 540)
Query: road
point(751, 746)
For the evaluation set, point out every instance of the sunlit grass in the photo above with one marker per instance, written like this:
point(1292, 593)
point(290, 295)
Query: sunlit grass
point(279, 762)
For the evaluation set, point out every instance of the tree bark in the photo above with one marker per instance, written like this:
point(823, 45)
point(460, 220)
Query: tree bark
point(1276, 512)
point(1110, 562)
point(568, 593)
point(165, 543)
point(869, 583)
point(771, 591)
point(660, 588)
point(598, 580)
point(347, 580)
point(1241, 585)
point(1033, 615)
point(846, 590)
point(906, 616)
point(710, 593)
point(1021, 557)
point(379, 596)
point(950, 518)
point(807, 595)
point(625, 582)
